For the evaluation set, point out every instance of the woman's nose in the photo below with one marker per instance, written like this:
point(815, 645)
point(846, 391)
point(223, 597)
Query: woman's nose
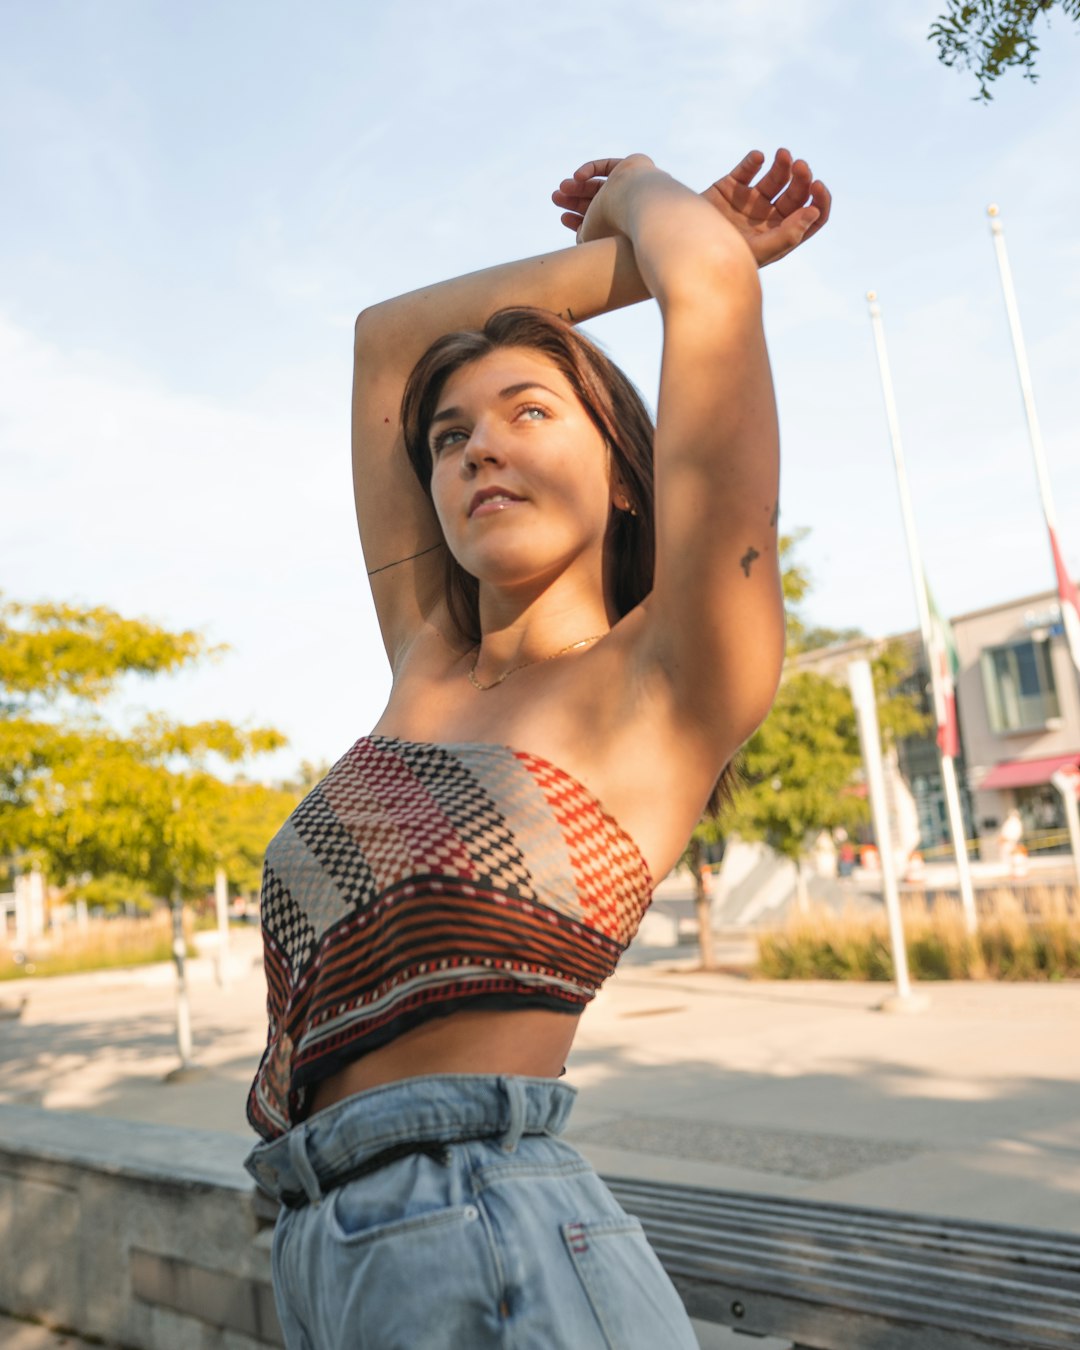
point(482, 447)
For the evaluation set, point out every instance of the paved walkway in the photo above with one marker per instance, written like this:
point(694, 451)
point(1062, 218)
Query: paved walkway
point(969, 1109)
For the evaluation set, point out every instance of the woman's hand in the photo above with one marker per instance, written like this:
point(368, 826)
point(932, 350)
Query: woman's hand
point(776, 214)
point(785, 208)
point(591, 198)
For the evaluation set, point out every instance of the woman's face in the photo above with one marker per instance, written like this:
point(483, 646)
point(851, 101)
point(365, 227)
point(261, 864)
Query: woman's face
point(520, 473)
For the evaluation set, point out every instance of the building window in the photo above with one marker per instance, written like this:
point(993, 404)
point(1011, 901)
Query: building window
point(1019, 683)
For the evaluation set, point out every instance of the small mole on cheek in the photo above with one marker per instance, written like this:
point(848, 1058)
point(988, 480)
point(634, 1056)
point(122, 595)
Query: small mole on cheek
point(386, 420)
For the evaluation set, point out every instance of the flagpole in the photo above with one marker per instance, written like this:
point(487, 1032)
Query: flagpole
point(922, 605)
point(1066, 587)
point(1022, 369)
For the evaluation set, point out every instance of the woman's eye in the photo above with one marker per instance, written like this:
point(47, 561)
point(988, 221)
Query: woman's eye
point(533, 413)
point(446, 438)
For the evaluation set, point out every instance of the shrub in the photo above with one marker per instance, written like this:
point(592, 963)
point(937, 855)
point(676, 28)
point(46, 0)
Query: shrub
point(1028, 935)
point(100, 945)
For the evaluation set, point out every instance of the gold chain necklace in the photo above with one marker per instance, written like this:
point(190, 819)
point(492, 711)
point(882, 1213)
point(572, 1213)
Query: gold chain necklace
point(536, 661)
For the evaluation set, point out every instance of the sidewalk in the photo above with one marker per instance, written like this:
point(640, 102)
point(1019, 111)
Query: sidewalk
point(970, 1109)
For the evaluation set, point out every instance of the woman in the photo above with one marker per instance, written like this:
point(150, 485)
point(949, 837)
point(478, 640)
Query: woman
point(573, 667)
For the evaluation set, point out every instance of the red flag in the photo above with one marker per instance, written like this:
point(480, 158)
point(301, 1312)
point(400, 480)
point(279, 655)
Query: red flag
point(1069, 599)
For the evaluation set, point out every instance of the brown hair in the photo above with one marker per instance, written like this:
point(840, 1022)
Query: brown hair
point(619, 414)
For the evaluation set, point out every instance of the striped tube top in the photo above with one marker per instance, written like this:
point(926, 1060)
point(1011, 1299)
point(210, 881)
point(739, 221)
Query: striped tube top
point(417, 880)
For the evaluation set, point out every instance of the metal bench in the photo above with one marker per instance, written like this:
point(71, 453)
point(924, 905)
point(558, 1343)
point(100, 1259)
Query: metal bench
point(837, 1277)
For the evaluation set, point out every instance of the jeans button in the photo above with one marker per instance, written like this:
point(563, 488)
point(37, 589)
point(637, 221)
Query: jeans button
point(471, 1212)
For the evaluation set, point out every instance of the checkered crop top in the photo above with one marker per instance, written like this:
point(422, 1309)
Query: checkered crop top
point(419, 879)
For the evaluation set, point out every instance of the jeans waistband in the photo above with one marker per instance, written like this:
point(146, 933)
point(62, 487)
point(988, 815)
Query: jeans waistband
point(372, 1128)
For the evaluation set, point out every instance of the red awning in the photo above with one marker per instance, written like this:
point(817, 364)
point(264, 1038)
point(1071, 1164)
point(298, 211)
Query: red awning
point(1018, 773)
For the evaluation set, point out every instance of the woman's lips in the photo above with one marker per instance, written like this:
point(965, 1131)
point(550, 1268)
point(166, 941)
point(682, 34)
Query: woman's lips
point(491, 505)
point(492, 498)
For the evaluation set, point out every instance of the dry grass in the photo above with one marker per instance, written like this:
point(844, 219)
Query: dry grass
point(1033, 934)
point(102, 944)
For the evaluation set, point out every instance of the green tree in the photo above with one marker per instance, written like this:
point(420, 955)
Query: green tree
point(799, 771)
point(991, 36)
point(801, 766)
point(247, 815)
point(80, 798)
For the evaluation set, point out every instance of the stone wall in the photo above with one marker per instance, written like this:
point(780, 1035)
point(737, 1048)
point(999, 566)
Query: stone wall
point(147, 1237)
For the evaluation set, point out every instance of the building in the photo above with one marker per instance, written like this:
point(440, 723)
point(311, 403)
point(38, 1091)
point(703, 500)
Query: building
point(1018, 699)
point(1018, 702)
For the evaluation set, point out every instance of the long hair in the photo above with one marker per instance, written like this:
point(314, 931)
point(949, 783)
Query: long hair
point(617, 411)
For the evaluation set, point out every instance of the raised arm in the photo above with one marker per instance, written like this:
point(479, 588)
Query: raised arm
point(714, 623)
point(398, 529)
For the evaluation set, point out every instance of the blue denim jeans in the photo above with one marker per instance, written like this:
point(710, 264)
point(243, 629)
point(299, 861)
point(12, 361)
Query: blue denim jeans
point(509, 1239)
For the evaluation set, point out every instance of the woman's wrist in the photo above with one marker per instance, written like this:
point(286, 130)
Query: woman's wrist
point(680, 243)
point(611, 214)
point(648, 203)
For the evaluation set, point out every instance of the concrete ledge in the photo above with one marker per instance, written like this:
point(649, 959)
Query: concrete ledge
point(144, 1236)
point(166, 1154)
point(213, 1296)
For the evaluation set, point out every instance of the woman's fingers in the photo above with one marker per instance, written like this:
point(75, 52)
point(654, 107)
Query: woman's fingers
point(821, 198)
point(780, 211)
point(797, 191)
point(570, 207)
point(808, 215)
point(570, 187)
point(778, 175)
point(596, 168)
point(788, 234)
point(747, 167)
point(575, 195)
point(579, 185)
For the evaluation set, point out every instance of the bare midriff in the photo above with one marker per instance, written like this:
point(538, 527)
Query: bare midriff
point(532, 1042)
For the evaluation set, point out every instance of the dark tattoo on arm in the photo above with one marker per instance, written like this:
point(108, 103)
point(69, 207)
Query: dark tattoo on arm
point(775, 514)
point(749, 557)
point(399, 561)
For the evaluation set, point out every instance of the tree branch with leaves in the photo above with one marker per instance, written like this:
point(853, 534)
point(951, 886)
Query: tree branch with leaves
point(992, 36)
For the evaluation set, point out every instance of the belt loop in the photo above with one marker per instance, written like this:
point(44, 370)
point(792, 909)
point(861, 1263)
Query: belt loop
point(301, 1164)
point(515, 1094)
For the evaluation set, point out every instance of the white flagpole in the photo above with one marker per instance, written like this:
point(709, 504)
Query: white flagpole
point(1022, 368)
point(861, 682)
point(1068, 617)
point(922, 605)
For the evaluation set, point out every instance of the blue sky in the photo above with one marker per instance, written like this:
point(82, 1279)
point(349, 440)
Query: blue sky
point(199, 199)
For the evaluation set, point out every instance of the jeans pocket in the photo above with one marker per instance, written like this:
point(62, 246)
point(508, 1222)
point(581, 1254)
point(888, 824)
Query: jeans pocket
point(635, 1303)
point(360, 1213)
point(425, 1281)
